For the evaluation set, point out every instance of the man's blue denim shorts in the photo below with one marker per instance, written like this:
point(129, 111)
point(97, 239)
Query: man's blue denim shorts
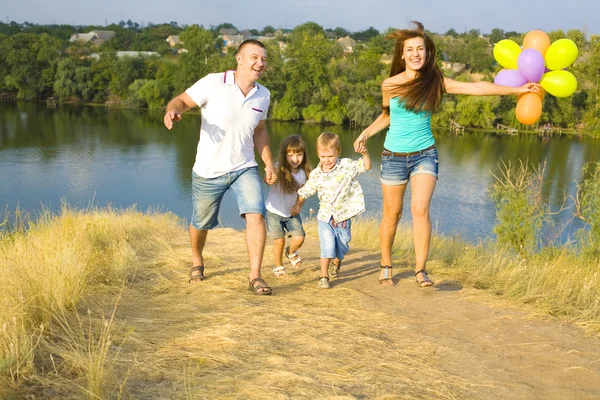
point(207, 194)
point(278, 226)
point(396, 169)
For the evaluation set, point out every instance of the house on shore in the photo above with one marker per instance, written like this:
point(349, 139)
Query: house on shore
point(132, 54)
point(95, 38)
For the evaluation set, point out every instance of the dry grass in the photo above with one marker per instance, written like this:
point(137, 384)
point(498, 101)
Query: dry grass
point(63, 335)
point(558, 282)
point(50, 269)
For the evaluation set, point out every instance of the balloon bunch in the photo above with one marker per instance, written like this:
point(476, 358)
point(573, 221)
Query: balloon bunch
point(539, 62)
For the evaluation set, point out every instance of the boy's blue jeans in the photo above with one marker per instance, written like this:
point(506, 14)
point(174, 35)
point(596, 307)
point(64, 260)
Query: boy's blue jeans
point(335, 238)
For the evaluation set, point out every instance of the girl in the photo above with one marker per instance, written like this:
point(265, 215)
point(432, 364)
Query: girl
point(292, 171)
point(410, 95)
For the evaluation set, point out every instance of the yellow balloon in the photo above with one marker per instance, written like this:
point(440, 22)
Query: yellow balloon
point(506, 53)
point(559, 83)
point(561, 54)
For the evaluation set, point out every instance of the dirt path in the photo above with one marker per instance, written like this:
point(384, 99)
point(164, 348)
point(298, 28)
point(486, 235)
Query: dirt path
point(356, 340)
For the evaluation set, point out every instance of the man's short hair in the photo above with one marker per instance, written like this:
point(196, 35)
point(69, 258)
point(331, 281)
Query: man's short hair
point(249, 41)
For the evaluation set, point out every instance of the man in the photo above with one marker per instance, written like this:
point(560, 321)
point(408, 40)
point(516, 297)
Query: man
point(234, 108)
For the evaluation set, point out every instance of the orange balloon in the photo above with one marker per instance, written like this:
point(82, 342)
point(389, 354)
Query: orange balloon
point(541, 95)
point(529, 108)
point(537, 40)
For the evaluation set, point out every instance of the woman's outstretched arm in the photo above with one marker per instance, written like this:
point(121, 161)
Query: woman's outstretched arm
point(487, 88)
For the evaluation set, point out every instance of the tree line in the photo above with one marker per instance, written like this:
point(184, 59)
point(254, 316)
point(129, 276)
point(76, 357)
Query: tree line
point(310, 76)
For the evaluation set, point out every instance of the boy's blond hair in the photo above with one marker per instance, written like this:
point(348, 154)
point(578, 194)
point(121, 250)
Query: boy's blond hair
point(328, 140)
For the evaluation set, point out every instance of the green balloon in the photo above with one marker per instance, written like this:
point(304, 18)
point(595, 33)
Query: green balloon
point(559, 83)
point(561, 54)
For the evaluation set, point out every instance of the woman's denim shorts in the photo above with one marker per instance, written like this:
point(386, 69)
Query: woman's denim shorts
point(396, 168)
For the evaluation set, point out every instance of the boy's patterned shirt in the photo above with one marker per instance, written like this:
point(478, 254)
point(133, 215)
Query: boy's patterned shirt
point(340, 194)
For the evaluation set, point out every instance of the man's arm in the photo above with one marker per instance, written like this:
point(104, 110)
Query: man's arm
point(261, 143)
point(176, 107)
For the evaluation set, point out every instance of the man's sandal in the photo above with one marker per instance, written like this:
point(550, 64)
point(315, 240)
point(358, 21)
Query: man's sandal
point(266, 290)
point(426, 282)
point(296, 261)
point(387, 275)
point(199, 277)
point(334, 269)
point(279, 271)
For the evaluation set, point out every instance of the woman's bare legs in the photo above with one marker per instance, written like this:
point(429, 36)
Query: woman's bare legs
point(393, 200)
point(422, 187)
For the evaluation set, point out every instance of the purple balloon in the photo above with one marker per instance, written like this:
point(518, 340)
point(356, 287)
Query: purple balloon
point(531, 65)
point(510, 77)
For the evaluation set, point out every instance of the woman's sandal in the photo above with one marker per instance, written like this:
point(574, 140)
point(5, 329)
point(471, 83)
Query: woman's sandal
point(426, 282)
point(279, 271)
point(196, 277)
point(387, 275)
point(261, 285)
point(334, 269)
point(297, 261)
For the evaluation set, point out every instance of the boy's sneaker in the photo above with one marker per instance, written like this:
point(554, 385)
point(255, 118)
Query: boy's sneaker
point(323, 283)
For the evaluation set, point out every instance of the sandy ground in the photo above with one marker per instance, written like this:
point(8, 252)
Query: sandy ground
point(358, 339)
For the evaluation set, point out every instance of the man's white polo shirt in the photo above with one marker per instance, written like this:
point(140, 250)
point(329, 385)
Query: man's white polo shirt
point(228, 120)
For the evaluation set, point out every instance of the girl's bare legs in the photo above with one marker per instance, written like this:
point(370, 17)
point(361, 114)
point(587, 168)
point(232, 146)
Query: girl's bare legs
point(295, 243)
point(422, 187)
point(393, 200)
point(278, 245)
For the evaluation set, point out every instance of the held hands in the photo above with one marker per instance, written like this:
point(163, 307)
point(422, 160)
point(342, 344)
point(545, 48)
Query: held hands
point(531, 87)
point(360, 144)
point(270, 174)
point(170, 117)
point(296, 209)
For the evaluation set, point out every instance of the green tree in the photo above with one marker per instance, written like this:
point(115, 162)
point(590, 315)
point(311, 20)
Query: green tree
point(267, 29)
point(477, 111)
point(152, 93)
point(496, 35)
point(576, 36)
point(65, 85)
point(365, 35)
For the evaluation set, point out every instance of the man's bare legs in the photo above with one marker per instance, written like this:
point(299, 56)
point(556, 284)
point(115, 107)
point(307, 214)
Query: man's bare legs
point(256, 236)
point(197, 241)
point(393, 200)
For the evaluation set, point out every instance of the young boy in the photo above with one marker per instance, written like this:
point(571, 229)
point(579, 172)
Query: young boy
point(340, 199)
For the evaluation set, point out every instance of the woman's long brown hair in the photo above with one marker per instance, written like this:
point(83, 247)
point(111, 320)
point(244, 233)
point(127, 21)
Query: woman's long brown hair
point(285, 180)
point(424, 93)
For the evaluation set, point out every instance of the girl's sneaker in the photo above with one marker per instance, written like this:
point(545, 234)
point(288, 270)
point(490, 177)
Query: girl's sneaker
point(323, 282)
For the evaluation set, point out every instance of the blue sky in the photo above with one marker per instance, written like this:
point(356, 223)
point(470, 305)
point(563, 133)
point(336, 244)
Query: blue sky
point(353, 15)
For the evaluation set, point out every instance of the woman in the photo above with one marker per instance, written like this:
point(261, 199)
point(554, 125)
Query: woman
point(410, 95)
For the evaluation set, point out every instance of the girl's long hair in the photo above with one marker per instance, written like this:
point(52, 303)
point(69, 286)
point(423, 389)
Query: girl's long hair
point(285, 180)
point(424, 93)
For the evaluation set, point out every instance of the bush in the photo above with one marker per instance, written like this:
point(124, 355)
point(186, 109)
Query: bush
point(521, 209)
point(587, 208)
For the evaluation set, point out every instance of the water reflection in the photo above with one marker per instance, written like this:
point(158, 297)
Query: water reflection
point(127, 157)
